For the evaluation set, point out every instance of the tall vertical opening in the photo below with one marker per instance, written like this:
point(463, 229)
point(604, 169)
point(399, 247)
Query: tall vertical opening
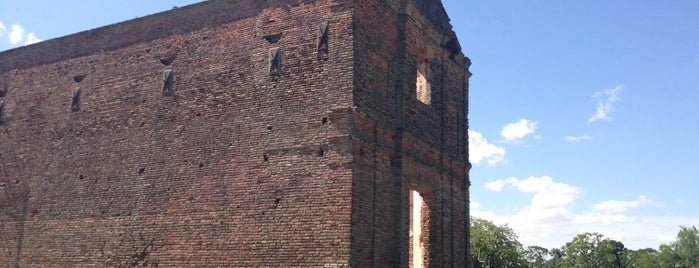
point(422, 83)
point(419, 231)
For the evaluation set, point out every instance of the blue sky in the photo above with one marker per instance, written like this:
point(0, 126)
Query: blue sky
point(584, 115)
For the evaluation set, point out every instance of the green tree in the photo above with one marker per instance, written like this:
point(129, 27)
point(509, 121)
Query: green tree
point(536, 256)
point(612, 252)
point(642, 258)
point(556, 260)
point(684, 252)
point(497, 246)
point(591, 250)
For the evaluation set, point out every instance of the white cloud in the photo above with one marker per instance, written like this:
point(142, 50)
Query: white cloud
point(496, 186)
point(480, 150)
point(550, 200)
point(576, 138)
point(616, 206)
point(605, 106)
point(601, 218)
point(550, 219)
point(31, 39)
point(17, 34)
point(475, 205)
point(518, 130)
point(547, 193)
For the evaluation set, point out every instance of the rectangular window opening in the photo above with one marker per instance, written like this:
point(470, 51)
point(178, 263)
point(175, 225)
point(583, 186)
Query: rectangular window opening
point(422, 85)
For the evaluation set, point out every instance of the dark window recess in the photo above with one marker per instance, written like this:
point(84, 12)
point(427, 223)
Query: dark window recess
point(2, 112)
point(3, 91)
point(79, 78)
point(273, 38)
point(275, 61)
point(75, 104)
point(323, 37)
point(167, 60)
point(167, 83)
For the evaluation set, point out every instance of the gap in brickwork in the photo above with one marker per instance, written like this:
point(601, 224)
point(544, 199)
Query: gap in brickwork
point(3, 92)
point(79, 78)
point(167, 60)
point(167, 82)
point(324, 120)
point(422, 85)
point(275, 61)
point(75, 104)
point(273, 38)
point(2, 112)
point(323, 40)
point(265, 157)
point(320, 152)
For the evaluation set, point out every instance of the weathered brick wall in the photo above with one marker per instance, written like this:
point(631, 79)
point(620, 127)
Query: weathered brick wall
point(236, 168)
point(101, 165)
point(404, 144)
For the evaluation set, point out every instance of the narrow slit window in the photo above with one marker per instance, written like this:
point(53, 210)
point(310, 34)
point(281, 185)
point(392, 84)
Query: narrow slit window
point(275, 61)
point(167, 82)
point(2, 112)
point(75, 104)
point(323, 37)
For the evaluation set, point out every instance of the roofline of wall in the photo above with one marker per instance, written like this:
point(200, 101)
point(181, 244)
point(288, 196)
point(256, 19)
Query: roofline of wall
point(139, 30)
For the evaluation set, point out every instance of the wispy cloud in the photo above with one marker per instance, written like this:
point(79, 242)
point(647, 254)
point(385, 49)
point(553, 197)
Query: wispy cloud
point(549, 204)
point(605, 106)
point(547, 192)
point(551, 218)
point(496, 186)
point(479, 150)
point(518, 130)
point(16, 34)
point(474, 205)
point(616, 206)
point(550, 201)
point(577, 138)
point(32, 39)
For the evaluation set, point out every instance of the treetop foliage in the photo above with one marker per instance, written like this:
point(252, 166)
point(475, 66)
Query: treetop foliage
point(497, 247)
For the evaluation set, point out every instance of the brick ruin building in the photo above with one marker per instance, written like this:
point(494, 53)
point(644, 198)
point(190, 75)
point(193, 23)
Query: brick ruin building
point(296, 133)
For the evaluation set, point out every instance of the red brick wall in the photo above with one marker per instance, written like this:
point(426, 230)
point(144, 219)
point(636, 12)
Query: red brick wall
point(236, 168)
point(405, 144)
